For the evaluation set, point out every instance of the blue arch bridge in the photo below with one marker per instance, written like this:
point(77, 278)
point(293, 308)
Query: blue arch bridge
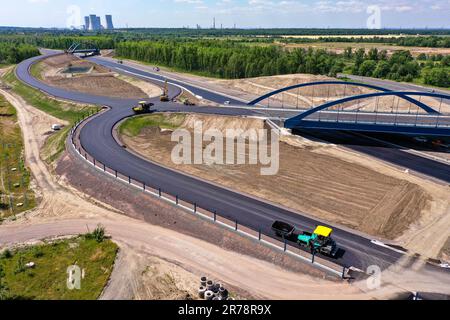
point(381, 110)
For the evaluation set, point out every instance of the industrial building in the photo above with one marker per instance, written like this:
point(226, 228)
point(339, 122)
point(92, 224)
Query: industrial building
point(109, 22)
point(87, 23)
point(93, 23)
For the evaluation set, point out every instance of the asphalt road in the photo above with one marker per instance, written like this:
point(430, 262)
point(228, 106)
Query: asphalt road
point(97, 139)
point(393, 85)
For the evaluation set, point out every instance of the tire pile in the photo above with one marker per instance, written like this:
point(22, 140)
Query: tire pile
point(210, 290)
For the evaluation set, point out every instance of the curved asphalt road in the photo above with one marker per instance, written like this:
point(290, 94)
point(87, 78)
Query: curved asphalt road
point(97, 139)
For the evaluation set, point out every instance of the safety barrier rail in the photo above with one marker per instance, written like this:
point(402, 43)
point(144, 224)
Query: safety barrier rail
point(215, 217)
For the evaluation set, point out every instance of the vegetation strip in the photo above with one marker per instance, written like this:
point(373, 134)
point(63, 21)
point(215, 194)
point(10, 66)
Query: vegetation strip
point(62, 110)
point(15, 193)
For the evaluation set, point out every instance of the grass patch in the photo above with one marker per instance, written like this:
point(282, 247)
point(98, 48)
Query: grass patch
point(48, 279)
point(15, 193)
point(55, 145)
point(36, 70)
point(66, 111)
point(133, 126)
point(62, 110)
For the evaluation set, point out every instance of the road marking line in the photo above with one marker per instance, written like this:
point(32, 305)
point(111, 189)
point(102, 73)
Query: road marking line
point(381, 244)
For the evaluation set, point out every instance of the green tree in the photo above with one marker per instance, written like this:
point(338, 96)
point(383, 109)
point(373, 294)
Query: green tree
point(367, 68)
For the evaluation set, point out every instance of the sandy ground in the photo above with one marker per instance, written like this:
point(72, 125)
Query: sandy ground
point(149, 89)
point(311, 181)
point(445, 252)
point(64, 211)
point(98, 80)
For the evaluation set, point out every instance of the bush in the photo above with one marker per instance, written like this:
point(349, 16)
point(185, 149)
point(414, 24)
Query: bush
point(37, 252)
point(98, 234)
point(20, 266)
point(437, 77)
point(7, 254)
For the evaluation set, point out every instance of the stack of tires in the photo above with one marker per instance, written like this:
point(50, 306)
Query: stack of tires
point(210, 290)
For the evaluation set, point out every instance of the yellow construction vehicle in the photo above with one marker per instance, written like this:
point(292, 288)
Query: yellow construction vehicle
point(143, 107)
point(165, 96)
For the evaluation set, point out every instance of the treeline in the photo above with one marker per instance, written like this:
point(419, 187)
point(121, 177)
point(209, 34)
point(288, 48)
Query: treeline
point(401, 66)
point(15, 53)
point(228, 59)
point(233, 60)
point(417, 41)
point(227, 31)
point(60, 42)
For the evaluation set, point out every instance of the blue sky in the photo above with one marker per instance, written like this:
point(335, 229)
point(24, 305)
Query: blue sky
point(245, 13)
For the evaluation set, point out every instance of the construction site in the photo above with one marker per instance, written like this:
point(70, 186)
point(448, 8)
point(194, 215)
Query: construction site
point(116, 169)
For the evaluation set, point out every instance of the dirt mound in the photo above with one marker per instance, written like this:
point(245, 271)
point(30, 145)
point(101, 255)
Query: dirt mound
point(87, 77)
point(162, 280)
point(222, 123)
point(104, 85)
point(301, 98)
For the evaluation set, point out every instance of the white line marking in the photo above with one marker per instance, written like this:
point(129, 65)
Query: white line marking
point(381, 244)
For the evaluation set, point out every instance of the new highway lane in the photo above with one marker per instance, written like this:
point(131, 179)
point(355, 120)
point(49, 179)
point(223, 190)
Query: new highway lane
point(97, 139)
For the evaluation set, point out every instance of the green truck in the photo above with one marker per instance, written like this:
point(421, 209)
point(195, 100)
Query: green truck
point(319, 241)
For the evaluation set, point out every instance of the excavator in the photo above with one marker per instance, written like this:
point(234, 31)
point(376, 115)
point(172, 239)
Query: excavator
point(165, 96)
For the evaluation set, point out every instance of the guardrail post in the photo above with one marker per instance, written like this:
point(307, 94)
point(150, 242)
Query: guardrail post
point(195, 208)
point(236, 225)
point(159, 192)
point(215, 216)
point(313, 257)
point(176, 200)
point(259, 235)
point(285, 245)
point(94, 162)
point(129, 180)
point(143, 186)
point(104, 167)
point(115, 173)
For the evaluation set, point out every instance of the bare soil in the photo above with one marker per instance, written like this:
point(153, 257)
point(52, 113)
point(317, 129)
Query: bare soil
point(98, 80)
point(445, 252)
point(324, 186)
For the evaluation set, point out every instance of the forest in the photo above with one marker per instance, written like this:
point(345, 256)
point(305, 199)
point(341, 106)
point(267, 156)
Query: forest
point(246, 57)
point(232, 60)
point(14, 53)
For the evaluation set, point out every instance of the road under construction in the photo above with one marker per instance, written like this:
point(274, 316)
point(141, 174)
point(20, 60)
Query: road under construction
point(358, 251)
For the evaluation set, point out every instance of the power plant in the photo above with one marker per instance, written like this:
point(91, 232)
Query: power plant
point(93, 23)
point(109, 22)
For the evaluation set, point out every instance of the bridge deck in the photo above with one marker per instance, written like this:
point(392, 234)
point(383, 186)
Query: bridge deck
point(419, 124)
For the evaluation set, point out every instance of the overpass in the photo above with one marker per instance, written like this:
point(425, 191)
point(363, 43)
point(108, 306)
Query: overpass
point(429, 123)
point(73, 49)
point(333, 116)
